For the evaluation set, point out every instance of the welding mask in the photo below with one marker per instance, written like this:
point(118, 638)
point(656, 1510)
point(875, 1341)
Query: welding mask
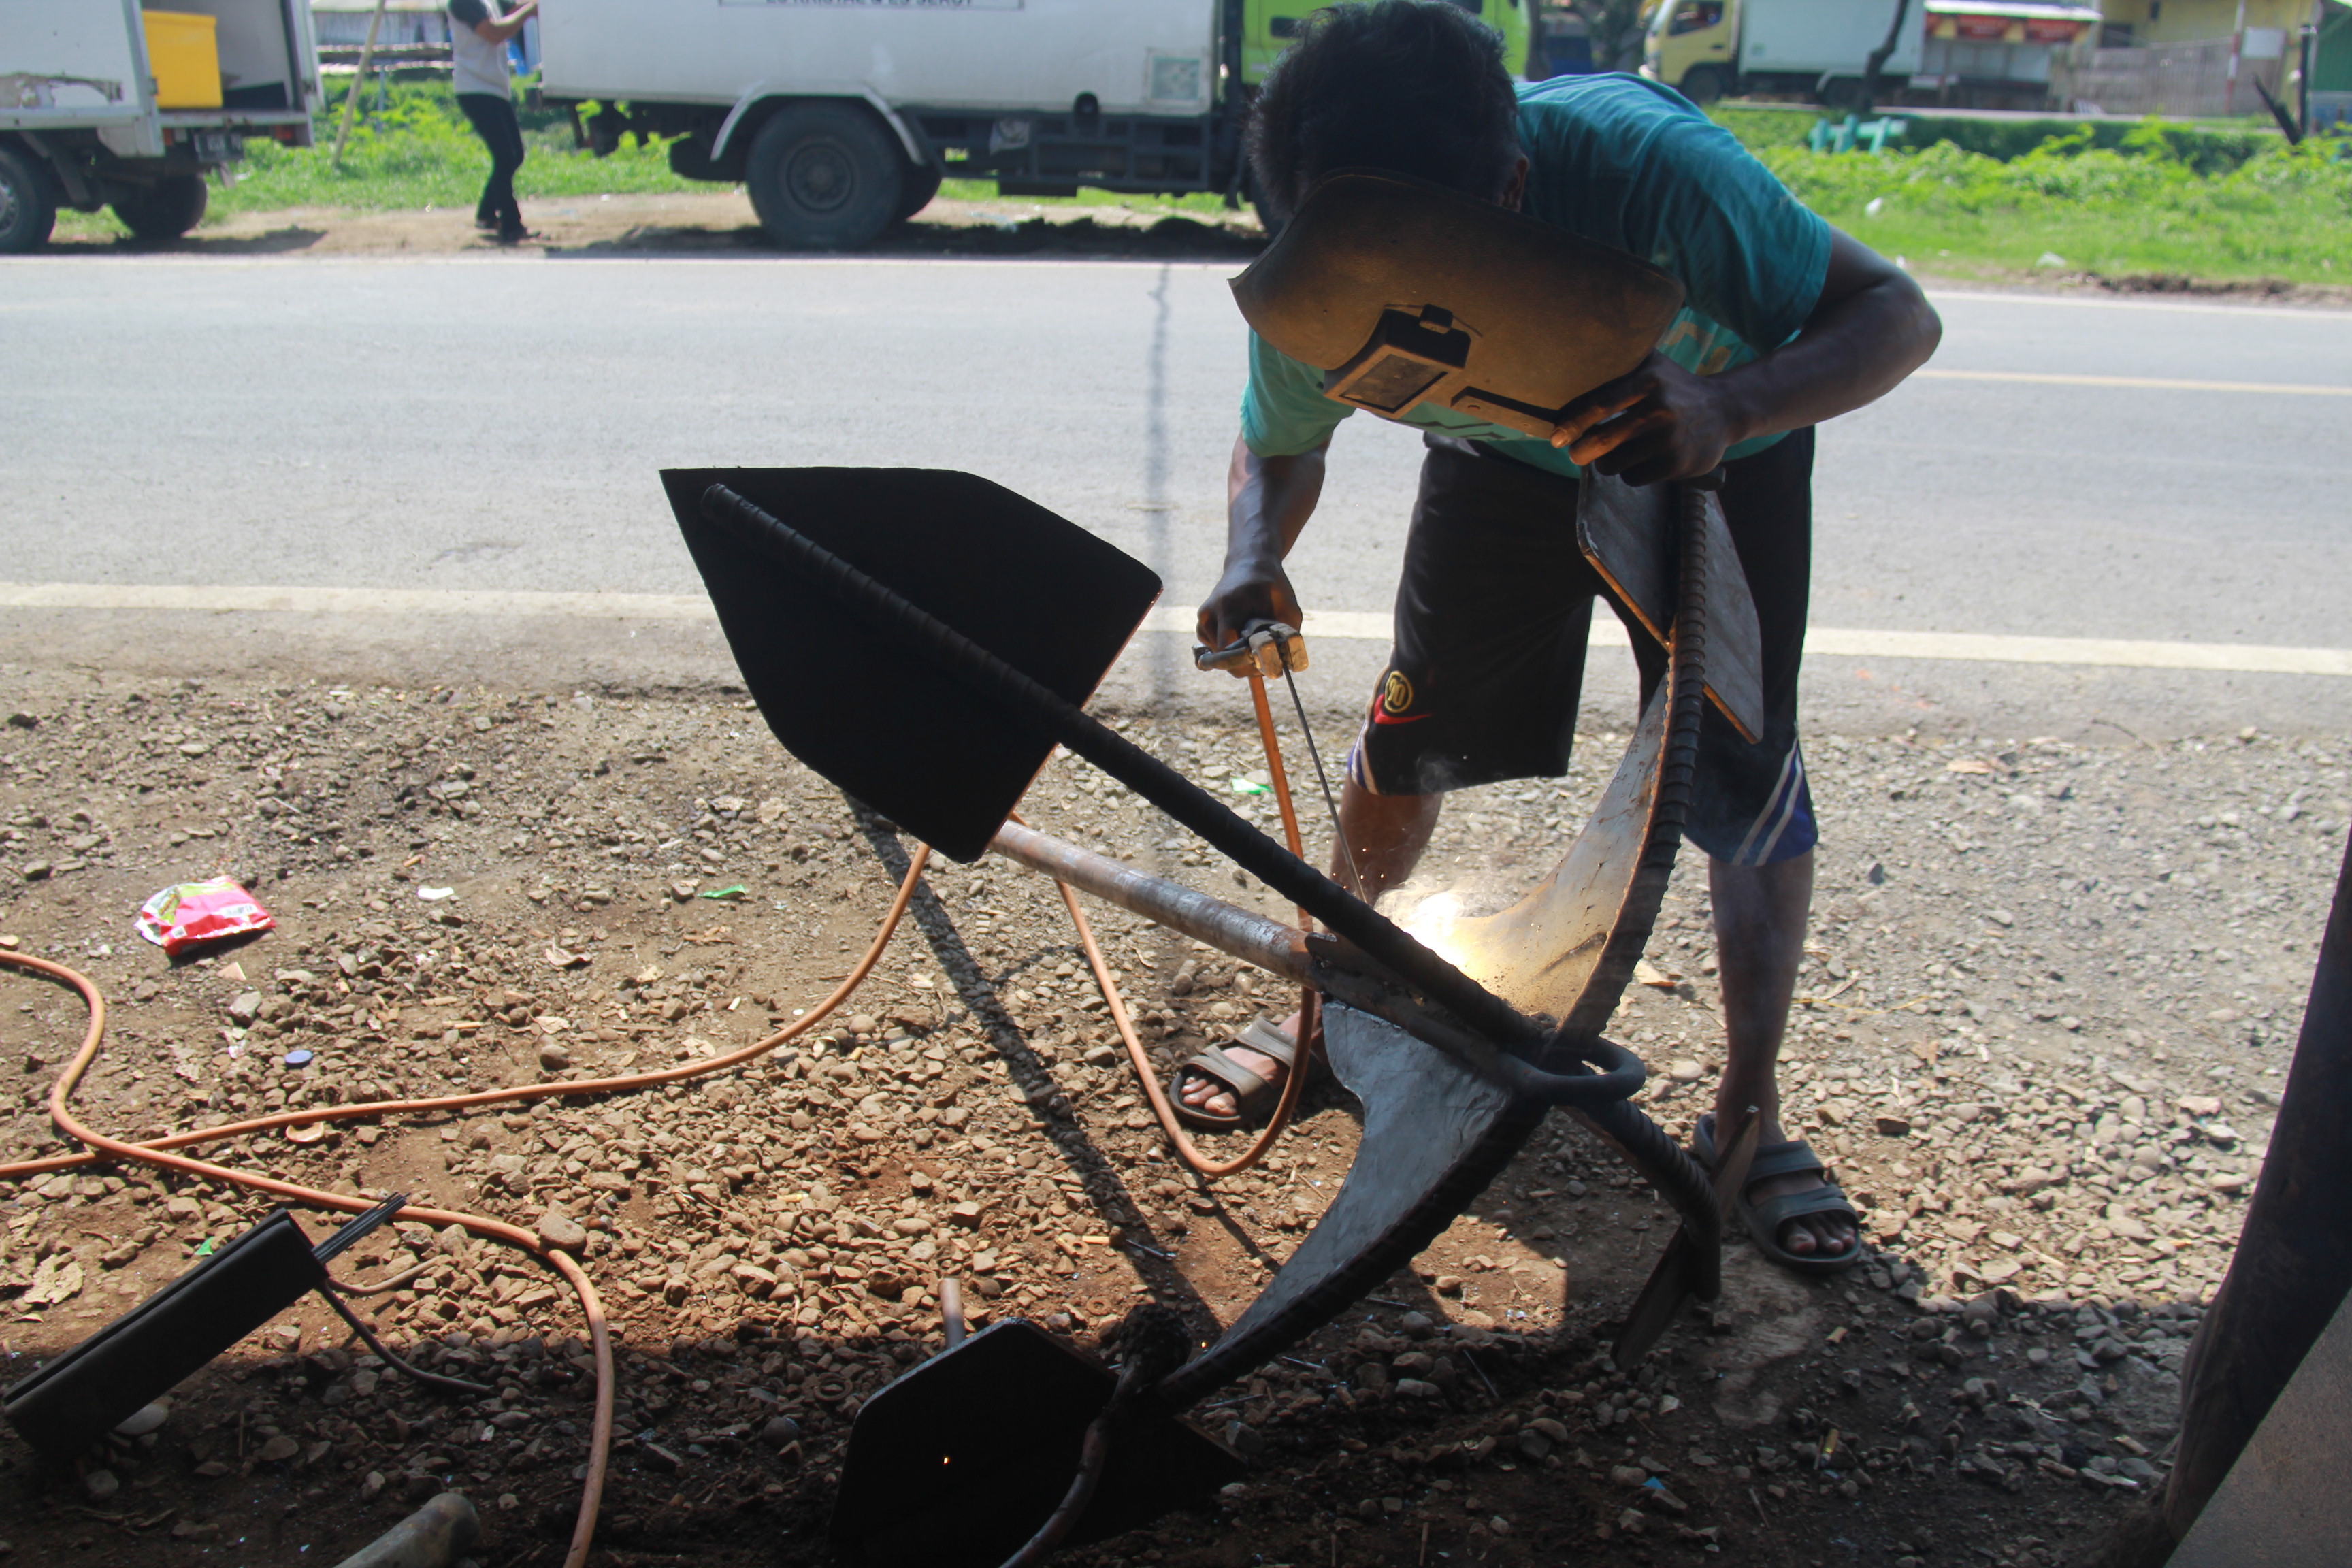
point(1405, 293)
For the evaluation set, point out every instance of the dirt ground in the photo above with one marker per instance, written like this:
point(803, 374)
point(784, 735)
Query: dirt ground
point(2050, 994)
point(721, 223)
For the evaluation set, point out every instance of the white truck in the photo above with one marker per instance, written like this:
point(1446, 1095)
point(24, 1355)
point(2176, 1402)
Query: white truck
point(841, 117)
point(91, 116)
point(1815, 48)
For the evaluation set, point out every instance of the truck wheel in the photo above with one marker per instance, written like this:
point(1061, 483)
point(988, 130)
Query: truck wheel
point(824, 176)
point(922, 184)
point(28, 206)
point(1702, 84)
point(164, 210)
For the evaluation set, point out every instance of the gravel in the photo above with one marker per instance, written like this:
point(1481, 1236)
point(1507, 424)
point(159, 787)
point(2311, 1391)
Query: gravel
point(2045, 1012)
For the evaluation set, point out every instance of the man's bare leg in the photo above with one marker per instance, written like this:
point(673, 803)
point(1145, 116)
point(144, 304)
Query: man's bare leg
point(1759, 936)
point(1388, 833)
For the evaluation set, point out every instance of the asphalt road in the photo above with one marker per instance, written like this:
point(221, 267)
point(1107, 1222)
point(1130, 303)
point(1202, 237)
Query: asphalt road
point(498, 424)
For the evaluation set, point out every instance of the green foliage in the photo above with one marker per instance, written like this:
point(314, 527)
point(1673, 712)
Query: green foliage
point(2156, 201)
point(2210, 149)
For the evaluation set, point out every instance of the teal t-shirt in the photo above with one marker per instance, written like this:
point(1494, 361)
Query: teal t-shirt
point(1626, 162)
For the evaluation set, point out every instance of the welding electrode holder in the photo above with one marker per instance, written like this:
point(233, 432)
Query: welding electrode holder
point(1613, 1073)
point(87, 1391)
point(1267, 647)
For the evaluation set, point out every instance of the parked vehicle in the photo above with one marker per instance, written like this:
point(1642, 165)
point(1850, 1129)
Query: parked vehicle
point(103, 104)
point(842, 118)
point(2002, 53)
point(1714, 49)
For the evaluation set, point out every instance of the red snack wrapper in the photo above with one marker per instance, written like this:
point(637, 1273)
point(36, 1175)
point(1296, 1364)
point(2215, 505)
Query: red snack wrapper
point(194, 914)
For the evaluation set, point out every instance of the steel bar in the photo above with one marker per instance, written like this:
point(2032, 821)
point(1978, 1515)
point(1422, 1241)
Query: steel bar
point(1316, 962)
point(1238, 933)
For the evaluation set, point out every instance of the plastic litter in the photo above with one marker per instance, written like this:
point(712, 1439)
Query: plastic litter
point(737, 891)
point(297, 1059)
point(194, 914)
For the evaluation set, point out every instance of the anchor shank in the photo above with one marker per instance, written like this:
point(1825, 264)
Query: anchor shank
point(1234, 932)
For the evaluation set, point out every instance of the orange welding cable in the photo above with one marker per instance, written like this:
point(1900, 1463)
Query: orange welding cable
point(154, 1152)
point(61, 1093)
point(1295, 1083)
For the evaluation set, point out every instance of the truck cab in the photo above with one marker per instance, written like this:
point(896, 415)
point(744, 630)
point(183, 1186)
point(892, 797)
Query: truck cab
point(1818, 50)
point(1692, 46)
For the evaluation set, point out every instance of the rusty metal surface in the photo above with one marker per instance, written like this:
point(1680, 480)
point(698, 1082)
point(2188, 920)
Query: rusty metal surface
point(1627, 532)
point(1238, 933)
point(2287, 1502)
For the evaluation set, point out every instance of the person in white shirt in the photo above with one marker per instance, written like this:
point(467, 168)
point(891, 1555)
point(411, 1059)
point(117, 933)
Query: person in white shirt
point(478, 33)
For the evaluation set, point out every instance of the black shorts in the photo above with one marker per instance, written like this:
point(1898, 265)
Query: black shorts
point(1494, 611)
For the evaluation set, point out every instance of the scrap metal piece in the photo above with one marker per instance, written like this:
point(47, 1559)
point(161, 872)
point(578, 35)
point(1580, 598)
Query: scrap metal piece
point(1690, 1268)
point(1627, 532)
point(1405, 292)
point(2288, 1501)
point(436, 1536)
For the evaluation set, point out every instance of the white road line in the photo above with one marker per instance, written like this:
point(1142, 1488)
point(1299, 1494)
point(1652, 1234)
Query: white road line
point(2157, 383)
point(1346, 626)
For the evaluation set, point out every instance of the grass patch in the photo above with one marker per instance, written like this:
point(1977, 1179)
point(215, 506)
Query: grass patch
point(2141, 208)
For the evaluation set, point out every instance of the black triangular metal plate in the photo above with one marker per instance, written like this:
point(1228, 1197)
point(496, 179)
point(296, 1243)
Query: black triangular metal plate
point(877, 717)
point(957, 1463)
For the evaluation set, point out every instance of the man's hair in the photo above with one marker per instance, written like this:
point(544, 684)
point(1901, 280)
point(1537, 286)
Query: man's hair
point(1414, 86)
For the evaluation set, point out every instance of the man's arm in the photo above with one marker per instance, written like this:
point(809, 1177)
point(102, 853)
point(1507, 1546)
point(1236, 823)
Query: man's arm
point(507, 26)
point(1267, 503)
point(1871, 328)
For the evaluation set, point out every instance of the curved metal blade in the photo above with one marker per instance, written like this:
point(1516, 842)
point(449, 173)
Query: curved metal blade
point(1434, 1134)
point(1545, 954)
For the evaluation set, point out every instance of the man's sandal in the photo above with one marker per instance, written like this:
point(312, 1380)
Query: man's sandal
point(1764, 1218)
point(1253, 1097)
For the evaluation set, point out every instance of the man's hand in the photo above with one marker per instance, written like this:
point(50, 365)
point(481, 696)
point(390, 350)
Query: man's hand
point(1250, 592)
point(1870, 328)
point(1267, 501)
point(1660, 422)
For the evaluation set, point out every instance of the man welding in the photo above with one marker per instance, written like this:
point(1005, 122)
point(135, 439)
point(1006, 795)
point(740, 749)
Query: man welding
point(1786, 323)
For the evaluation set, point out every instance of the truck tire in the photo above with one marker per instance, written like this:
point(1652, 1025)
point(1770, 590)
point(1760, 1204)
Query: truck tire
point(1702, 84)
point(922, 182)
point(164, 210)
point(28, 204)
point(824, 177)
